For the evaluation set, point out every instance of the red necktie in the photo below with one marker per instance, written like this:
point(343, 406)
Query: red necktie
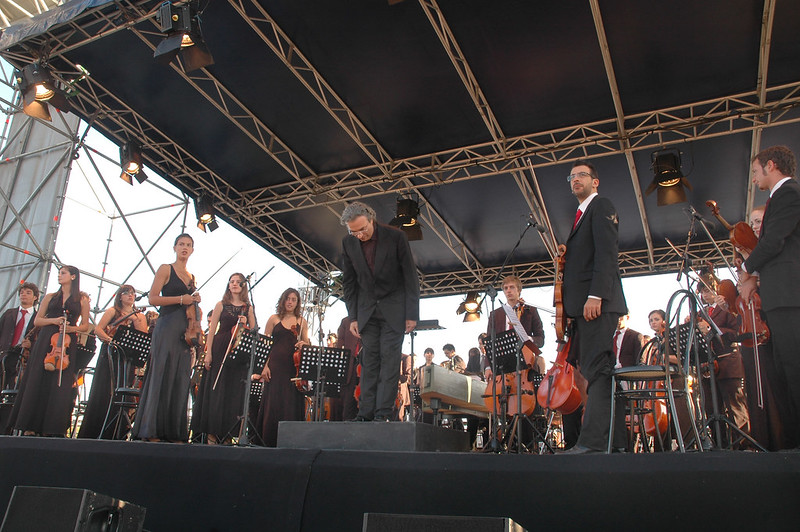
point(577, 217)
point(18, 328)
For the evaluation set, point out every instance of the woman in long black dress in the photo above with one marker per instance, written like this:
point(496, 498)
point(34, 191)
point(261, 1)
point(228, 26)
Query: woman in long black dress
point(43, 406)
point(107, 370)
point(218, 408)
point(161, 415)
point(281, 400)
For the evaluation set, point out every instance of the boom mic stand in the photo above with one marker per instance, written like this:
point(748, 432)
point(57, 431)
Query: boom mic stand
point(494, 444)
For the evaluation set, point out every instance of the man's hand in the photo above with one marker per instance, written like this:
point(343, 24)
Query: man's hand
point(747, 286)
point(591, 309)
point(354, 329)
point(410, 324)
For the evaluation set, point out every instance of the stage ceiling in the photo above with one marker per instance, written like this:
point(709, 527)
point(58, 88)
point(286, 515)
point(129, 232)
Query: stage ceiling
point(314, 103)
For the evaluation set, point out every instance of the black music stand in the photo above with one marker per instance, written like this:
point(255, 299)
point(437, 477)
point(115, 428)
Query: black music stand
point(133, 348)
point(505, 354)
point(326, 367)
point(254, 354)
point(414, 413)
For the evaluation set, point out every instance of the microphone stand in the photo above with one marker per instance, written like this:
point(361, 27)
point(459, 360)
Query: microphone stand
point(493, 444)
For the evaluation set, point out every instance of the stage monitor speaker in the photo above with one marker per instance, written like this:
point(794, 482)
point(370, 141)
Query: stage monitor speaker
point(376, 522)
point(69, 510)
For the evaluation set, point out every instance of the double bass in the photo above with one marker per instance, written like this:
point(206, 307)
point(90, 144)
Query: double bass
point(557, 390)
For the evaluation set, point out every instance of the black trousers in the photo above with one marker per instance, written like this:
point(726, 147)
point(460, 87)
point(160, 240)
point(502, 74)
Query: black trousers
point(784, 326)
point(380, 367)
point(597, 362)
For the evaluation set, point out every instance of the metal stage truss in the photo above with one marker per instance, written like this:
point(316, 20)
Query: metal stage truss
point(255, 211)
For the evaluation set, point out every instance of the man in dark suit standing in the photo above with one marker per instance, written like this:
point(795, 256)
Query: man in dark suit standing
point(15, 323)
point(381, 290)
point(776, 261)
point(593, 298)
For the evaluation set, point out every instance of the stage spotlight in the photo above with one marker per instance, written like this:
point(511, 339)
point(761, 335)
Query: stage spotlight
point(406, 218)
point(130, 159)
point(470, 305)
point(182, 27)
point(668, 179)
point(204, 209)
point(39, 88)
point(472, 316)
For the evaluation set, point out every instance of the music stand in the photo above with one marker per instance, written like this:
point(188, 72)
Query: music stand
point(326, 367)
point(503, 350)
point(135, 345)
point(253, 349)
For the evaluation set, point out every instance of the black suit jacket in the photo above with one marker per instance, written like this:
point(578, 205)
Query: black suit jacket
point(530, 320)
point(591, 262)
point(8, 322)
point(777, 256)
point(394, 287)
point(632, 342)
point(731, 365)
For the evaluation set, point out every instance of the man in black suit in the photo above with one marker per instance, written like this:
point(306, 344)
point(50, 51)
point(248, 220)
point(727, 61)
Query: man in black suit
point(627, 344)
point(15, 323)
point(381, 290)
point(776, 261)
point(593, 298)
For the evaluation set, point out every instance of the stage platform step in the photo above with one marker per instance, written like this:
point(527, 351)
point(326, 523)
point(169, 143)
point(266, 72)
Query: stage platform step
point(366, 436)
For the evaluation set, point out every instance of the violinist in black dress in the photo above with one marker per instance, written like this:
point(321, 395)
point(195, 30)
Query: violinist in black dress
point(43, 406)
point(162, 412)
point(107, 371)
point(281, 399)
point(218, 408)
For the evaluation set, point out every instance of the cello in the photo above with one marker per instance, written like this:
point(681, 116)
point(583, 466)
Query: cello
point(557, 390)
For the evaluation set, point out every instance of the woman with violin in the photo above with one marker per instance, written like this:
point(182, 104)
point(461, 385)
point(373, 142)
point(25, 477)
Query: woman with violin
point(107, 369)
point(219, 401)
point(161, 415)
point(282, 399)
point(46, 394)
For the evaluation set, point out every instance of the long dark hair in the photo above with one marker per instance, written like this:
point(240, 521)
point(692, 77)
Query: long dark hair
point(280, 308)
point(227, 297)
point(74, 287)
point(474, 362)
point(118, 298)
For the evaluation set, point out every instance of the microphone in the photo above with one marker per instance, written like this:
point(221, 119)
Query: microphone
point(142, 296)
point(697, 216)
point(247, 279)
point(533, 223)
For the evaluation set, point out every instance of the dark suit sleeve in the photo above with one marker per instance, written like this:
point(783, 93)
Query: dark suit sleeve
point(781, 222)
point(410, 279)
point(537, 328)
point(349, 283)
point(604, 230)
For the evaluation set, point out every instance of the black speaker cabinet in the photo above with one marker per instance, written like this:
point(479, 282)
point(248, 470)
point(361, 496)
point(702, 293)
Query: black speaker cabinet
point(69, 510)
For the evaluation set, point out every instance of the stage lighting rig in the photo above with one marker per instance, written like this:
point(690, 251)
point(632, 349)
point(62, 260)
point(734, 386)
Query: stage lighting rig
point(39, 88)
point(407, 217)
point(204, 209)
point(130, 159)
point(668, 178)
point(183, 36)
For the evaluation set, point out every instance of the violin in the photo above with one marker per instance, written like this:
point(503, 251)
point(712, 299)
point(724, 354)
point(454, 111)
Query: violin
point(741, 234)
point(558, 391)
point(302, 385)
point(57, 358)
point(194, 336)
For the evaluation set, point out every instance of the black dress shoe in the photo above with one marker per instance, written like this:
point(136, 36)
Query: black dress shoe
point(360, 419)
point(580, 449)
point(381, 419)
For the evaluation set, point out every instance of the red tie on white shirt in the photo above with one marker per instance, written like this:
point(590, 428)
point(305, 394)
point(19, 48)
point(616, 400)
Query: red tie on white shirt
point(577, 217)
point(18, 329)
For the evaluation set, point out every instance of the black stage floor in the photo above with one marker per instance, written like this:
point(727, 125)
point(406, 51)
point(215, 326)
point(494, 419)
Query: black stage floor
point(205, 488)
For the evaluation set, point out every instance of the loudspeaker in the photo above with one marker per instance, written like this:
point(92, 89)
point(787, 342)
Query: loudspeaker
point(376, 522)
point(69, 510)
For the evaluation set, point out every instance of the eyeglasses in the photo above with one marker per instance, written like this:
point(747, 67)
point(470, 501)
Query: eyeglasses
point(578, 174)
point(359, 232)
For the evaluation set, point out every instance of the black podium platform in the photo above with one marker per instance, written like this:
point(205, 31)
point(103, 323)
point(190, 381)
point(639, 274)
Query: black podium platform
point(370, 436)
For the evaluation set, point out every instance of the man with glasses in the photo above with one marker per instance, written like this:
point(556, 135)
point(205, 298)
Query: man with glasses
point(381, 290)
point(593, 298)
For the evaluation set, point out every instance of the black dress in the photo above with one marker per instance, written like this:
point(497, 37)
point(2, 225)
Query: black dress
point(42, 406)
point(281, 401)
point(217, 411)
point(165, 394)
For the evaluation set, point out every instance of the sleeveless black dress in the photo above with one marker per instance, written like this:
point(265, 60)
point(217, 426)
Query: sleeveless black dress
point(217, 411)
point(42, 406)
point(280, 401)
point(162, 411)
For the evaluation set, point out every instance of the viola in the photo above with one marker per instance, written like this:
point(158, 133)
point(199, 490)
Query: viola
point(194, 336)
point(558, 391)
point(741, 234)
point(57, 358)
